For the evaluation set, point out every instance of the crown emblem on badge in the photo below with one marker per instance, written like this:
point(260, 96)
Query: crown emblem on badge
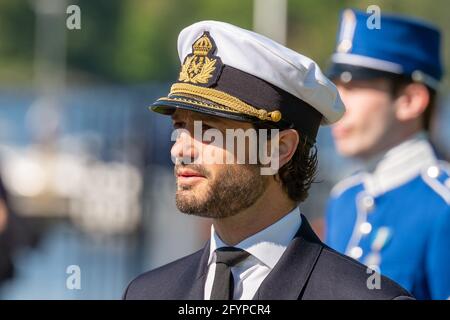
point(202, 46)
point(201, 67)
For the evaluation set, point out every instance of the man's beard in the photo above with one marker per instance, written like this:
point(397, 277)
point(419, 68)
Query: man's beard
point(234, 189)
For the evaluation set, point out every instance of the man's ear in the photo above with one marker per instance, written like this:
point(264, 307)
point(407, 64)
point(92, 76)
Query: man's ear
point(288, 143)
point(412, 102)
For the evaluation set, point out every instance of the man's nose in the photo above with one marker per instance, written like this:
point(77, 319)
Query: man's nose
point(184, 148)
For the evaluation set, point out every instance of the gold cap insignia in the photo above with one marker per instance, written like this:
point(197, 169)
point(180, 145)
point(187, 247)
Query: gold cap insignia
point(201, 67)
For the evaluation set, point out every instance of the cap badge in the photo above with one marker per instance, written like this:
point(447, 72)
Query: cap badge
point(201, 67)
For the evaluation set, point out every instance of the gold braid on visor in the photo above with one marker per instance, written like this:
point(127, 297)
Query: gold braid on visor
point(223, 99)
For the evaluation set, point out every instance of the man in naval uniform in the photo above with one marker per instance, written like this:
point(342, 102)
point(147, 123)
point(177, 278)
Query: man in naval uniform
point(394, 214)
point(261, 247)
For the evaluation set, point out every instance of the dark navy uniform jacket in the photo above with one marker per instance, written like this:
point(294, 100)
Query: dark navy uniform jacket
point(396, 218)
point(307, 270)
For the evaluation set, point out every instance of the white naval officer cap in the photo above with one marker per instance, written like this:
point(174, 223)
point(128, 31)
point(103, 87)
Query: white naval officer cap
point(231, 72)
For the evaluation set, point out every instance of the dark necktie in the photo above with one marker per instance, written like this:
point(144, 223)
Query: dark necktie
point(223, 286)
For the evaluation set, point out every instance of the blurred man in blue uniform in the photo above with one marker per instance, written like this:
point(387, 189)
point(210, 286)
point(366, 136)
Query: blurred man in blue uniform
point(394, 214)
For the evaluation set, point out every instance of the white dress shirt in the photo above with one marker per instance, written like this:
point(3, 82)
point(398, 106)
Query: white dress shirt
point(265, 247)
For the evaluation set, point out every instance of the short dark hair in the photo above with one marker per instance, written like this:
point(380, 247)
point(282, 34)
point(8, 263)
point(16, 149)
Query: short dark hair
point(300, 171)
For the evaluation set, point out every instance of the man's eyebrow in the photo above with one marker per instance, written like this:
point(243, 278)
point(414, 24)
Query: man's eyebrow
point(199, 117)
point(177, 118)
point(210, 119)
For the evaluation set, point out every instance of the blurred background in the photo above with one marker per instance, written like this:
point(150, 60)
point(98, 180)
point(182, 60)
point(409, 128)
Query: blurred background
point(85, 172)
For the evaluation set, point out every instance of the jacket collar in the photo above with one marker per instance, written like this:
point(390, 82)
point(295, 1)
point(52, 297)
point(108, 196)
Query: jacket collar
point(290, 275)
point(398, 165)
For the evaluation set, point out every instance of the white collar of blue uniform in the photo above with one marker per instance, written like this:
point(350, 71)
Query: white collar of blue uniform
point(398, 165)
point(269, 244)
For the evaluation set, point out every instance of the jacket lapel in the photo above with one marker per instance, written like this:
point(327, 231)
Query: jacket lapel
point(290, 275)
point(196, 290)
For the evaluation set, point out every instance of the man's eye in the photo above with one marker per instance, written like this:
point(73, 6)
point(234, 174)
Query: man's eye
point(179, 125)
point(206, 127)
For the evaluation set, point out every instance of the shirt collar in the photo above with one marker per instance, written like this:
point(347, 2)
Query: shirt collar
point(398, 165)
point(269, 244)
